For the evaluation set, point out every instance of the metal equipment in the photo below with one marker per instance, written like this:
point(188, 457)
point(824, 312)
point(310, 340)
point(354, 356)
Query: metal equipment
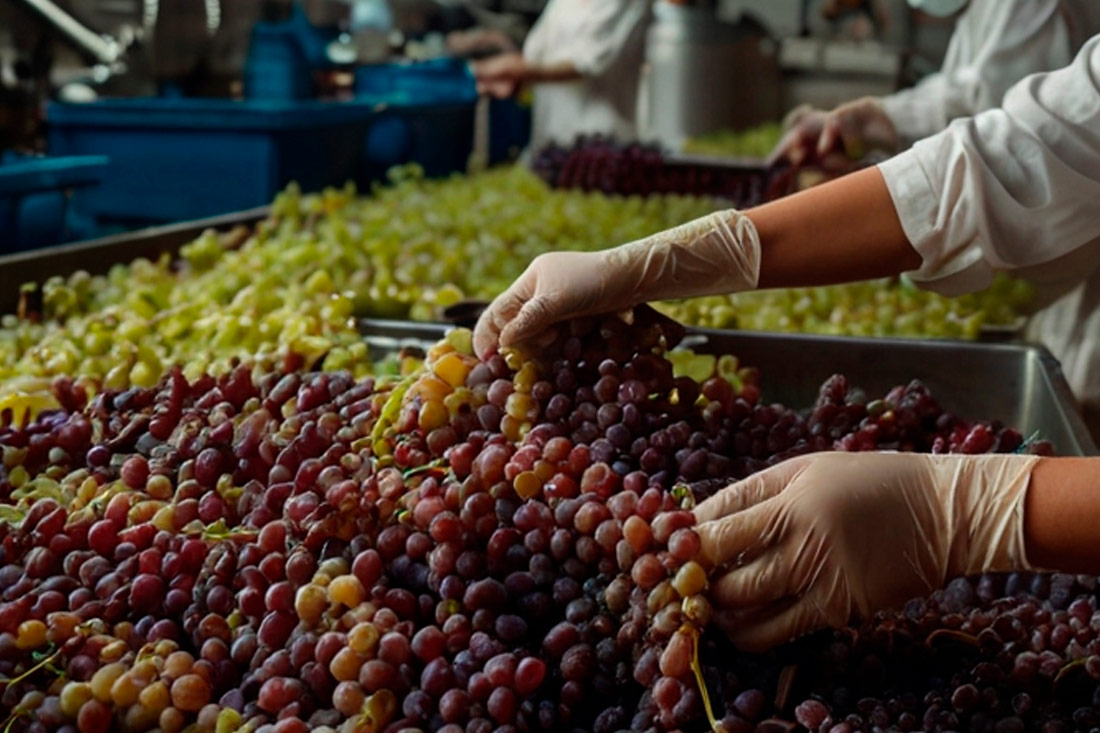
point(832, 51)
point(703, 75)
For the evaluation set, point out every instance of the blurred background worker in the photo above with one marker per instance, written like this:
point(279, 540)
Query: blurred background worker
point(585, 57)
point(995, 44)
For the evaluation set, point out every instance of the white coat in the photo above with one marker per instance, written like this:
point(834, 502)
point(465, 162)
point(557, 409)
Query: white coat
point(1018, 189)
point(995, 43)
point(605, 42)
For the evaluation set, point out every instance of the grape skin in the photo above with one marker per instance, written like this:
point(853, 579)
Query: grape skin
point(325, 584)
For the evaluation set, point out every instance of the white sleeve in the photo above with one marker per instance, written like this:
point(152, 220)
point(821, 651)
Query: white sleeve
point(609, 26)
point(1008, 189)
point(995, 44)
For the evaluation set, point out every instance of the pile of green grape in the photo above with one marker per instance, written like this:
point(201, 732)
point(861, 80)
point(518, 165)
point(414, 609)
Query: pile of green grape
point(755, 142)
point(887, 307)
point(286, 294)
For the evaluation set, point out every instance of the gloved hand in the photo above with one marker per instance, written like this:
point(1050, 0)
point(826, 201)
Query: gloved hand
point(821, 539)
point(834, 139)
point(717, 253)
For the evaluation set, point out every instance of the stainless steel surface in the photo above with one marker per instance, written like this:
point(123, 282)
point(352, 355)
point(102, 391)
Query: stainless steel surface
point(101, 49)
point(97, 255)
point(1020, 385)
point(703, 75)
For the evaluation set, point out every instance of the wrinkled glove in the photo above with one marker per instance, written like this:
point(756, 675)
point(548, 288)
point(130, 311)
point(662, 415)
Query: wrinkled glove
point(717, 253)
point(834, 139)
point(822, 539)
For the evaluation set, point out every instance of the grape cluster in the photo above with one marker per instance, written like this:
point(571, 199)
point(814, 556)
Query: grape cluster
point(627, 169)
point(478, 546)
point(999, 652)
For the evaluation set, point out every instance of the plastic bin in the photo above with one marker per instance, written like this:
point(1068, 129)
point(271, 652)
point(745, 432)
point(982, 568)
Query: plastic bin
point(34, 198)
point(424, 114)
point(176, 159)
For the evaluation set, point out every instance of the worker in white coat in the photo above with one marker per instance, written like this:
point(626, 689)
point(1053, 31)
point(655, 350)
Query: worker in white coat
point(584, 58)
point(995, 43)
point(1011, 189)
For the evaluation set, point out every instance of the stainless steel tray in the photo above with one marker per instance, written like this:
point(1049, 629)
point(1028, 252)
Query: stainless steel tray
point(1020, 385)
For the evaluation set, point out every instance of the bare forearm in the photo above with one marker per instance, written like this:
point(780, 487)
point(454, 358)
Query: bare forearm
point(540, 73)
point(1062, 515)
point(841, 231)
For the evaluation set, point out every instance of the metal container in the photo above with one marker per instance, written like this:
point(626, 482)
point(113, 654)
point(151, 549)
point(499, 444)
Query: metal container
point(703, 75)
point(1020, 385)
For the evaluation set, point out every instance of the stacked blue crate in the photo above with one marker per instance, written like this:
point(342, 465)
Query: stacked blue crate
point(178, 159)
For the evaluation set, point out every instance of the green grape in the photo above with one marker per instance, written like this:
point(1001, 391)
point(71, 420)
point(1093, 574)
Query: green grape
point(754, 142)
point(294, 285)
point(872, 308)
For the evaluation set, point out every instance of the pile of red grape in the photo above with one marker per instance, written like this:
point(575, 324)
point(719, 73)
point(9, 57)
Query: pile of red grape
point(484, 546)
point(602, 164)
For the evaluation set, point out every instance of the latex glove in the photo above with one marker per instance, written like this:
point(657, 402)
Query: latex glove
point(717, 253)
point(500, 76)
point(834, 139)
point(821, 539)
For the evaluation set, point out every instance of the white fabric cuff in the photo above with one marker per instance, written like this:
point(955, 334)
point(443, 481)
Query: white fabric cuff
point(947, 267)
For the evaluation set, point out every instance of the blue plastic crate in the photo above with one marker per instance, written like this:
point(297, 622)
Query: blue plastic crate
point(34, 198)
point(425, 115)
point(177, 159)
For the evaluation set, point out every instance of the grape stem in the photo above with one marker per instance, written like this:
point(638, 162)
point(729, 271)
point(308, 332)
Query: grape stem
point(698, 670)
point(392, 405)
point(45, 662)
point(16, 714)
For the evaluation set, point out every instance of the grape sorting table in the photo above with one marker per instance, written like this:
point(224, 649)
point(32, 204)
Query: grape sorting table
point(1019, 384)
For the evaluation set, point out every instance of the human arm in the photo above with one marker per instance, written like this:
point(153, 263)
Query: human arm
point(994, 45)
point(825, 539)
point(479, 40)
point(1061, 514)
point(846, 230)
point(1010, 189)
point(502, 75)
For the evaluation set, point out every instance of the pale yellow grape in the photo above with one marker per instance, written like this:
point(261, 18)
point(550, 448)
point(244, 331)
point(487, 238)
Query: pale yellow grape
point(872, 308)
point(295, 285)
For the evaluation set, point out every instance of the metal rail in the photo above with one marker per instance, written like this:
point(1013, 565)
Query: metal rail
point(100, 48)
